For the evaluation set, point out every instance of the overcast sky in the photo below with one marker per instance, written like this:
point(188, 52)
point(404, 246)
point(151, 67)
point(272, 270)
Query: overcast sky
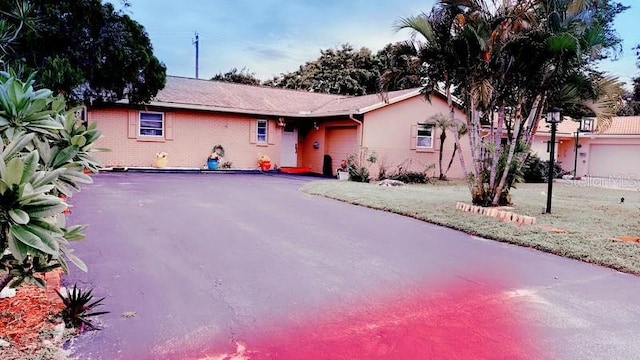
point(270, 37)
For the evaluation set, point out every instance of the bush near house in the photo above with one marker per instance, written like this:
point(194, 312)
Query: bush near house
point(537, 171)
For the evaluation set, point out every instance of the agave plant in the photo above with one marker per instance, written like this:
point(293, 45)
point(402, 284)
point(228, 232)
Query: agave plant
point(78, 305)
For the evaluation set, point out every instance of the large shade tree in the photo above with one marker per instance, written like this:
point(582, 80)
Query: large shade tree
point(82, 48)
point(508, 61)
point(242, 76)
point(350, 71)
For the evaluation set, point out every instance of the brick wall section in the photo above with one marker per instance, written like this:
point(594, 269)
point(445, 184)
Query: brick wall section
point(194, 134)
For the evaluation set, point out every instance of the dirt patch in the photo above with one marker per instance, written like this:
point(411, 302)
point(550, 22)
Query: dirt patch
point(29, 318)
point(554, 230)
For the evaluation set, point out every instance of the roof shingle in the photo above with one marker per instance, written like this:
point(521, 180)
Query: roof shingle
point(620, 125)
point(203, 94)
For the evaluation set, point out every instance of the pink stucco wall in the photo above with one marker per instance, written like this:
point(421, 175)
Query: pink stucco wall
point(192, 136)
point(388, 132)
point(598, 155)
point(308, 156)
point(189, 136)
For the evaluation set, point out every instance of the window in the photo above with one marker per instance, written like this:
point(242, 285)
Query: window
point(261, 131)
point(151, 124)
point(425, 136)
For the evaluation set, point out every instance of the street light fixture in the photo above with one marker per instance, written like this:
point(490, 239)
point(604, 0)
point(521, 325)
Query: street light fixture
point(553, 118)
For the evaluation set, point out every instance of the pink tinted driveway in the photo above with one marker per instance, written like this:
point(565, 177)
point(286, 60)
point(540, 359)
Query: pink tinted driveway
point(215, 266)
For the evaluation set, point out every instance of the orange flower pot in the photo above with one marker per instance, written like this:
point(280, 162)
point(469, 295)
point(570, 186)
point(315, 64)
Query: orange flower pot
point(265, 165)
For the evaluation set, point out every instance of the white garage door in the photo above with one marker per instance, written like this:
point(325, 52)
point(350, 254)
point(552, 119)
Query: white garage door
point(341, 142)
point(614, 160)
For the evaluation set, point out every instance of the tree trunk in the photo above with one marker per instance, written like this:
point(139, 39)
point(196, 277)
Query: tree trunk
point(497, 144)
point(443, 137)
point(512, 148)
point(453, 155)
point(456, 138)
point(475, 138)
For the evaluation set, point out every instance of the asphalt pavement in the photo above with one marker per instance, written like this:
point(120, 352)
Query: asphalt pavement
point(212, 266)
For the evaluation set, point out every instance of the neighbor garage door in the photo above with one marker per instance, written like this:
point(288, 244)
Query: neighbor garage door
point(341, 141)
point(614, 160)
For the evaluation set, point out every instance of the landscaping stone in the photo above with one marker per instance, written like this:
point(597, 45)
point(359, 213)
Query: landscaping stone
point(7, 293)
point(500, 213)
point(389, 182)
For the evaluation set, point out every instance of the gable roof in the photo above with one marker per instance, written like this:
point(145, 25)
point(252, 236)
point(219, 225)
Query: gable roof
point(198, 94)
point(620, 125)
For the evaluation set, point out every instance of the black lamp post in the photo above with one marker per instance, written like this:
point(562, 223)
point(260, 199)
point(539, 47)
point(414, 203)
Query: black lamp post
point(553, 118)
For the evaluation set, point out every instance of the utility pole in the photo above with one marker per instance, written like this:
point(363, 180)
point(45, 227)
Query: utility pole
point(196, 42)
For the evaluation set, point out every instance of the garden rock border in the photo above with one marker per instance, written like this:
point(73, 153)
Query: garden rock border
point(497, 213)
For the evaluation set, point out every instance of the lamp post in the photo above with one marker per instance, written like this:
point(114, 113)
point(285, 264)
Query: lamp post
point(585, 126)
point(553, 118)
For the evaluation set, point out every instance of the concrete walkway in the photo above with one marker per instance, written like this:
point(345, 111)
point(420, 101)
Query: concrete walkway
point(247, 266)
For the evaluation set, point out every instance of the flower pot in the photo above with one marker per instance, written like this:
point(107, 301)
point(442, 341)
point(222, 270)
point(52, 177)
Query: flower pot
point(212, 164)
point(265, 165)
point(160, 162)
point(343, 175)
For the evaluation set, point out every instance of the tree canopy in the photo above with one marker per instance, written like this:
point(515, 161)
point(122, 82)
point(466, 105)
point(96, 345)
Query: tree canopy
point(350, 71)
point(85, 50)
point(242, 76)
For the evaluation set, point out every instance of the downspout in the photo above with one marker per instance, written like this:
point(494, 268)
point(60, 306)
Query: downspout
point(359, 122)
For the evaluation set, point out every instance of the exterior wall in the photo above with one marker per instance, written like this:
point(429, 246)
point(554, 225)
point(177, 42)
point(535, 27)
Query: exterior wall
point(627, 165)
point(388, 132)
point(313, 158)
point(189, 138)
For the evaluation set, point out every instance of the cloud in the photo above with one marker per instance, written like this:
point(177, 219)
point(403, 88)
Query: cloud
point(266, 53)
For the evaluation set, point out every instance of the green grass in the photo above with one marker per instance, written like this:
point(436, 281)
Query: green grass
point(591, 216)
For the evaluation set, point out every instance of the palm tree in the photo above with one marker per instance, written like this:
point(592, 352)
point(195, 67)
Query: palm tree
point(444, 124)
point(520, 56)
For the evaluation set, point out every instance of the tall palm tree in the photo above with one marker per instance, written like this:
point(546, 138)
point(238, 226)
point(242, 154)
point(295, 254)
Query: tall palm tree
point(518, 55)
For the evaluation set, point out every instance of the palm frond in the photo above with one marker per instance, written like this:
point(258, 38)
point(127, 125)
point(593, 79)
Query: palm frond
point(420, 25)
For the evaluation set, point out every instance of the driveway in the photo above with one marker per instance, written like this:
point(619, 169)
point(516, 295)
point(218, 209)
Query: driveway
point(198, 266)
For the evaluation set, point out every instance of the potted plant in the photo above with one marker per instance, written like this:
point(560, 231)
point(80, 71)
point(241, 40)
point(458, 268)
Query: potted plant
point(264, 162)
point(217, 154)
point(161, 160)
point(343, 171)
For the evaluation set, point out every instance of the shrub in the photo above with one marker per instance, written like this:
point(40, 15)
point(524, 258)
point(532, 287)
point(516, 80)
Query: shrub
point(410, 177)
point(46, 151)
point(536, 170)
point(358, 165)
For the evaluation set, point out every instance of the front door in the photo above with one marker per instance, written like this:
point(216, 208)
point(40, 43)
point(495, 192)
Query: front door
point(289, 152)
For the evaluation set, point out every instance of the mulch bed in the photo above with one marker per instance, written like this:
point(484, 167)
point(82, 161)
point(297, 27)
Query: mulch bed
point(33, 310)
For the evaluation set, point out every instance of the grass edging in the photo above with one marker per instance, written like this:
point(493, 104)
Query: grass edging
point(624, 257)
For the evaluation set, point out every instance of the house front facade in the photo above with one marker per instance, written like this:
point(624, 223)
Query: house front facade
point(295, 129)
point(581, 148)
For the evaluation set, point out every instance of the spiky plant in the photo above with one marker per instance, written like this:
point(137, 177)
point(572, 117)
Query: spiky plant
point(78, 305)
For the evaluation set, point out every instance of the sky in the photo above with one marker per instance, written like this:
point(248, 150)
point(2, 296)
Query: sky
point(270, 37)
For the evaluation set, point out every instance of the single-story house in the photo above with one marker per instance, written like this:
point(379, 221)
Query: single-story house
point(294, 128)
point(611, 153)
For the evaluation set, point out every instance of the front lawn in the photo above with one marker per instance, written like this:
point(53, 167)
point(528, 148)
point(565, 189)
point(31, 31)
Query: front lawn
point(591, 216)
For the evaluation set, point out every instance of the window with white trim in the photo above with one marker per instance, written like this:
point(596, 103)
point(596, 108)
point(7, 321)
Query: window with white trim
point(151, 124)
point(424, 138)
point(261, 131)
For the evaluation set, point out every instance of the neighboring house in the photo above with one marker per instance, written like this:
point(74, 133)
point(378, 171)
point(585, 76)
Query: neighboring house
point(294, 128)
point(612, 153)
